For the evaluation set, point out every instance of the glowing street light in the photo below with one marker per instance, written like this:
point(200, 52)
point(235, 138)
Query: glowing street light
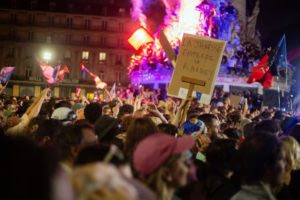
point(47, 56)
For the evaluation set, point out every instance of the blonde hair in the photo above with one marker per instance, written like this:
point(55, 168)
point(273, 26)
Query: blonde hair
point(156, 179)
point(292, 149)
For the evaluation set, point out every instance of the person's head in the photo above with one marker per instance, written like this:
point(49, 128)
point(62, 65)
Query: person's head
point(27, 170)
point(68, 142)
point(271, 126)
point(279, 115)
point(100, 153)
point(168, 128)
point(92, 112)
point(249, 129)
point(65, 115)
point(138, 129)
point(102, 181)
point(232, 133)
point(106, 128)
point(292, 152)
point(266, 115)
point(262, 160)
point(87, 131)
point(220, 155)
point(34, 124)
point(234, 119)
point(212, 123)
point(47, 131)
point(125, 109)
point(106, 110)
point(160, 160)
point(295, 132)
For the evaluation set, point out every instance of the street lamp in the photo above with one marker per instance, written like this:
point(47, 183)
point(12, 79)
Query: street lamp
point(47, 56)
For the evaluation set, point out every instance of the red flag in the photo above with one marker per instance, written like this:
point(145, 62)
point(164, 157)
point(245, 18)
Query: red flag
point(261, 73)
point(61, 73)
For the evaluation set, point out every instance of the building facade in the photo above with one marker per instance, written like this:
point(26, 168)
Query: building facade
point(70, 33)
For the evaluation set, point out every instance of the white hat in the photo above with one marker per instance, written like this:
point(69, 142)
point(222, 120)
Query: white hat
point(61, 113)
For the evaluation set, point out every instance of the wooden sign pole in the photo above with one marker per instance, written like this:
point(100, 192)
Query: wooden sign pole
point(193, 83)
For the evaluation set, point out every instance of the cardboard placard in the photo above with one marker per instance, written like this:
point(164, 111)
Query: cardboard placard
point(235, 100)
point(198, 63)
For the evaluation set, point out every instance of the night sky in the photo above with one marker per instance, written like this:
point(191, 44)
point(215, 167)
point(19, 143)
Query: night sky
point(279, 17)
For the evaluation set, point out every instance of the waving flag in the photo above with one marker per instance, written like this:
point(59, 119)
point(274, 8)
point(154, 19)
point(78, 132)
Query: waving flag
point(49, 73)
point(113, 91)
point(53, 75)
point(261, 73)
point(278, 59)
point(98, 82)
point(5, 74)
point(62, 70)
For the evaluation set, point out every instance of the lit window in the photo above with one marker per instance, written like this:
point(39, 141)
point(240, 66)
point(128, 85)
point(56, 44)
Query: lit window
point(102, 57)
point(85, 55)
point(121, 11)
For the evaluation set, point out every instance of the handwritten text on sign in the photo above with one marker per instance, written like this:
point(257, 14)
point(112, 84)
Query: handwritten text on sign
point(199, 59)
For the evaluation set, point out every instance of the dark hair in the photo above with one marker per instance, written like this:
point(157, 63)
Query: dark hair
point(234, 118)
point(249, 129)
point(220, 155)
point(98, 153)
point(272, 126)
point(106, 127)
point(257, 154)
point(26, 169)
point(68, 137)
point(207, 119)
point(48, 128)
point(92, 112)
point(266, 115)
point(279, 115)
point(168, 128)
point(232, 133)
point(138, 130)
point(125, 109)
point(295, 132)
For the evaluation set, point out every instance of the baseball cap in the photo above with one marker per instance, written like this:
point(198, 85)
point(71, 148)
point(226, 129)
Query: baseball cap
point(154, 150)
point(63, 113)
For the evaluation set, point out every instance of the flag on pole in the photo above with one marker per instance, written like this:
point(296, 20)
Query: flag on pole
point(278, 58)
point(261, 73)
point(113, 91)
point(53, 75)
point(98, 82)
point(5, 74)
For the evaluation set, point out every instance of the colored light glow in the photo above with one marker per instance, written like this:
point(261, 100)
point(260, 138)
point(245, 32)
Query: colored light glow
point(139, 38)
point(213, 18)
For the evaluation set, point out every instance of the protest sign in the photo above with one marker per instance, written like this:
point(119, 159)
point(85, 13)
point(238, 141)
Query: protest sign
point(197, 66)
point(235, 100)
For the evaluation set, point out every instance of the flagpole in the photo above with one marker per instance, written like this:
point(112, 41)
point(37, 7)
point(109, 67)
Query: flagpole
point(278, 90)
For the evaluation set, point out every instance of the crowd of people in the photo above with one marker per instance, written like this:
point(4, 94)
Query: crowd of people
point(240, 62)
point(146, 146)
